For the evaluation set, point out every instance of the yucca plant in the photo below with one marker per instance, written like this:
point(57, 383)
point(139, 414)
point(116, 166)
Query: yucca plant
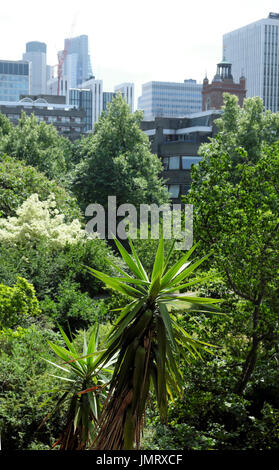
point(83, 386)
point(148, 341)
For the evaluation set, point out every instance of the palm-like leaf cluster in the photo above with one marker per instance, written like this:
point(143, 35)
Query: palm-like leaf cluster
point(147, 340)
point(83, 388)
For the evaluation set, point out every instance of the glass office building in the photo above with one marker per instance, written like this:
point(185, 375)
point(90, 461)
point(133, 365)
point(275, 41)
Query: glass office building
point(108, 96)
point(82, 99)
point(170, 99)
point(14, 79)
point(253, 51)
point(77, 66)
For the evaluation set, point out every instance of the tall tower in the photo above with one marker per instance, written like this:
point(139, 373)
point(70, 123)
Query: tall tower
point(36, 55)
point(77, 65)
point(254, 51)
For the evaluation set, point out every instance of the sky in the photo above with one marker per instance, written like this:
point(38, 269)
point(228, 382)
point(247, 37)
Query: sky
point(132, 40)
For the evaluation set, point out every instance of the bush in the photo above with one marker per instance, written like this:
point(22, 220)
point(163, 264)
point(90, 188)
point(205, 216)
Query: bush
point(47, 267)
point(24, 378)
point(17, 303)
point(73, 308)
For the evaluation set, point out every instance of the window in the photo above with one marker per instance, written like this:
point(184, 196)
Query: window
point(187, 162)
point(174, 190)
point(174, 163)
point(171, 163)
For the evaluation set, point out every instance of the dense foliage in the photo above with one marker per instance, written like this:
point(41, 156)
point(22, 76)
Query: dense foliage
point(17, 303)
point(235, 194)
point(38, 145)
point(227, 400)
point(19, 181)
point(116, 161)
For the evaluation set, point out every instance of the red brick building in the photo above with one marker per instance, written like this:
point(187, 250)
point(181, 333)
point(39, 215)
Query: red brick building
point(212, 93)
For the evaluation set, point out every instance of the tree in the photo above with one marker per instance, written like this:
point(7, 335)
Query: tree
point(146, 340)
point(116, 161)
point(5, 125)
point(39, 145)
point(19, 181)
point(235, 196)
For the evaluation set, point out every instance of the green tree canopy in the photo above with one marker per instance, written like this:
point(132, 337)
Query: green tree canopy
point(38, 144)
point(5, 125)
point(116, 161)
point(235, 196)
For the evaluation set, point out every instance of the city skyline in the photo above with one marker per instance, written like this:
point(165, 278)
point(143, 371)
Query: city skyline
point(151, 42)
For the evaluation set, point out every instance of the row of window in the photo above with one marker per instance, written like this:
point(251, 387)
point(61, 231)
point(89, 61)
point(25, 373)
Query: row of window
point(54, 119)
point(180, 162)
point(12, 68)
point(8, 97)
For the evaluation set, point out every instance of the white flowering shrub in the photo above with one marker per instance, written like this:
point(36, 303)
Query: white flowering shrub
point(40, 219)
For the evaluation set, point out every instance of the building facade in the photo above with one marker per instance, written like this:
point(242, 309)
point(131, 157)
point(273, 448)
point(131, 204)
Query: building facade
point(36, 55)
point(14, 79)
point(170, 99)
point(82, 99)
point(253, 51)
point(108, 96)
point(128, 92)
point(96, 88)
point(176, 142)
point(212, 93)
point(68, 120)
point(77, 65)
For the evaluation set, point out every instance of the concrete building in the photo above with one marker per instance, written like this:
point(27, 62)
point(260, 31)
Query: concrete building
point(128, 92)
point(14, 79)
point(253, 51)
point(176, 142)
point(68, 120)
point(36, 55)
point(170, 99)
point(212, 93)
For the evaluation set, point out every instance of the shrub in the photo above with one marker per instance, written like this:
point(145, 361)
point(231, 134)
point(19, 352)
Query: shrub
point(17, 303)
point(24, 378)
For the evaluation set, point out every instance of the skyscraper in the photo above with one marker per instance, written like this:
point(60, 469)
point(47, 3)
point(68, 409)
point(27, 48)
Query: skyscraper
point(36, 54)
point(77, 66)
point(170, 99)
point(253, 51)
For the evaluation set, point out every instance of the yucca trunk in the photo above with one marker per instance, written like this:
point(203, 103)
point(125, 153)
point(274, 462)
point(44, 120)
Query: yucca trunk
point(70, 438)
point(122, 420)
